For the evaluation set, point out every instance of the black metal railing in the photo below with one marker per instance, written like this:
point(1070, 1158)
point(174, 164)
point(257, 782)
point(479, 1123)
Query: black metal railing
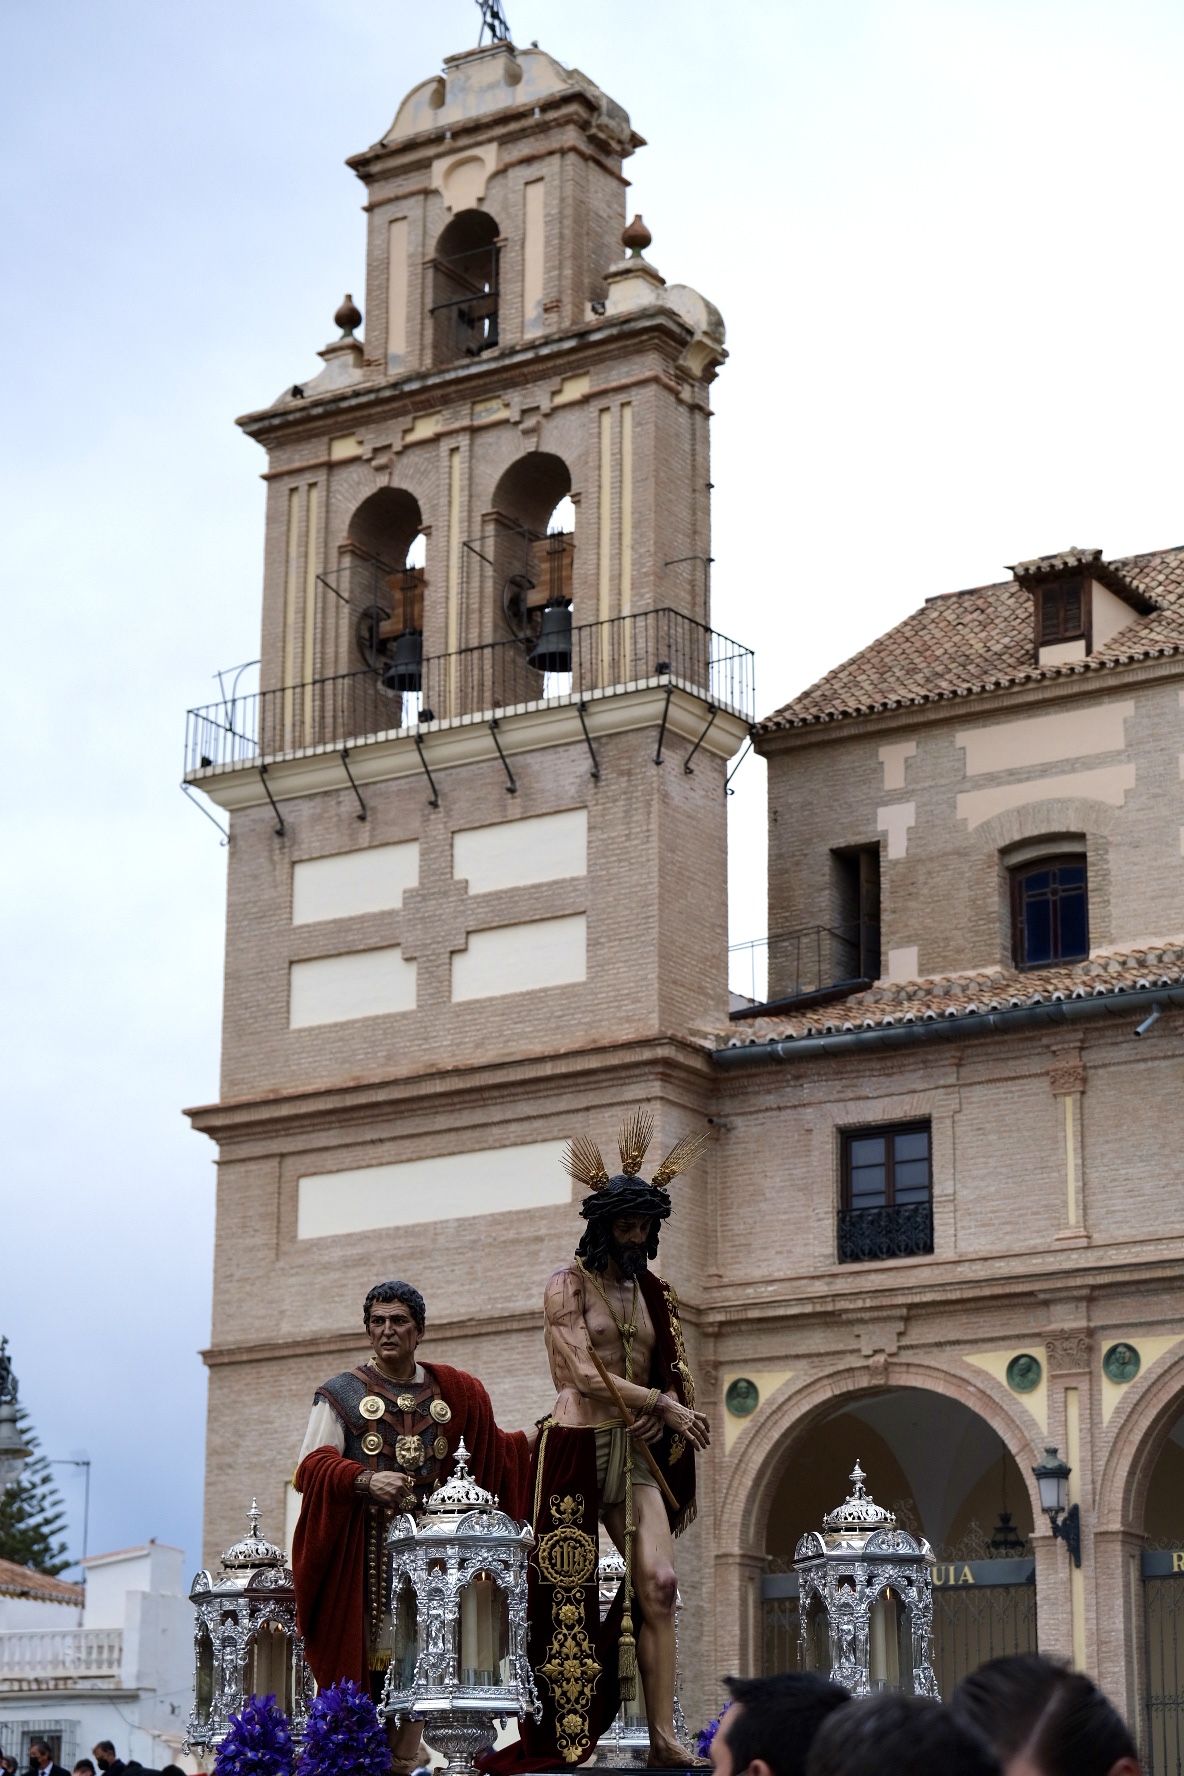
point(795, 964)
point(660, 647)
point(902, 1232)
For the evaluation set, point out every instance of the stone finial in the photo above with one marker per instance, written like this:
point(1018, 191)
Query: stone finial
point(636, 237)
point(348, 316)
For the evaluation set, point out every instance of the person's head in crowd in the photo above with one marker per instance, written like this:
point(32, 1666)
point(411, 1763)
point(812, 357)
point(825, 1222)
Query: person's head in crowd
point(770, 1723)
point(1045, 1720)
point(171, 1770)
point(84, 1767)
point(40, 1754)
point(894, 1735)
point(104, 1754)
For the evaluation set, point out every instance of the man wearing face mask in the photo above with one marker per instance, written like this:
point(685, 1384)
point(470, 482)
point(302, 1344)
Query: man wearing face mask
point(104, 1756)
point(379, 1439)
point(41, 1759)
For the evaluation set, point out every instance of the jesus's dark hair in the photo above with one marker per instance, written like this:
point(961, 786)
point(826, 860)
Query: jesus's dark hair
point(596, 1242)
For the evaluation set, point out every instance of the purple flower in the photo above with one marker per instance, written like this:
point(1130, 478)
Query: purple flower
point(704, 1738)
point(259, 1742)
point(343, 1734)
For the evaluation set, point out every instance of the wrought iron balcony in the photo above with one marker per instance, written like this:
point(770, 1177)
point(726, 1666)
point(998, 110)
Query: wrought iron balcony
point(660, 648)
point(815, 960)
point(902, 1232)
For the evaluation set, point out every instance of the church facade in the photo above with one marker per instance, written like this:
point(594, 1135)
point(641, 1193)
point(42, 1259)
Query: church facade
point(477, 903)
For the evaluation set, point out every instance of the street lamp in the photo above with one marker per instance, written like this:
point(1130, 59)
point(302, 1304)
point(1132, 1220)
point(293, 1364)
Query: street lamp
point(70, 1461)
point(1052, 1478)
point(14, 1451)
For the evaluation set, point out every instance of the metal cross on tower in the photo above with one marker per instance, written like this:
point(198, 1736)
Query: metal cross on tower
point(493, 20)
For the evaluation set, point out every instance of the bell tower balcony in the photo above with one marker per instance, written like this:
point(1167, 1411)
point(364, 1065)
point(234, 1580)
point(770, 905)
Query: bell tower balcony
point(559, 682)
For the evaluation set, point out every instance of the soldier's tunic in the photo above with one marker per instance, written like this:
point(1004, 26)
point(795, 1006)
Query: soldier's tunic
point(338, 1551)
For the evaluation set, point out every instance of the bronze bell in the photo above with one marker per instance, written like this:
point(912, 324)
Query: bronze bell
point(404, 670)
point(552, 651)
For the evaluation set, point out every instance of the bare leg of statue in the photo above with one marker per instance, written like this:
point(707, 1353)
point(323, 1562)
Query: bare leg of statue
point(656, 1587)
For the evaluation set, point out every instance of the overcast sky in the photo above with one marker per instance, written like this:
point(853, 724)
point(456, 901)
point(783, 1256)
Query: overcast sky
point(945, 239)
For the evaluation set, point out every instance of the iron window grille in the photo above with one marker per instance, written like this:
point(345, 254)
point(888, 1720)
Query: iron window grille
point(887, 1193)
point(1050, 912)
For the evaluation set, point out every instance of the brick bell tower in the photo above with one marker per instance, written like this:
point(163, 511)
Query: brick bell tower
point(477, 895)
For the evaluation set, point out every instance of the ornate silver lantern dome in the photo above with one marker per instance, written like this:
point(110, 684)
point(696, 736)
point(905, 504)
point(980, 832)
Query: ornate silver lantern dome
point(458, 1603)
point(245, 1640)
point(865, 1599)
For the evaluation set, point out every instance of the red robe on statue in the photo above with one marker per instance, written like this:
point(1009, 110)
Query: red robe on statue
point(328, 1548)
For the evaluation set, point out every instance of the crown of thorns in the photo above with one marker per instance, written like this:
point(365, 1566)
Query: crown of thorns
point(628, 1192)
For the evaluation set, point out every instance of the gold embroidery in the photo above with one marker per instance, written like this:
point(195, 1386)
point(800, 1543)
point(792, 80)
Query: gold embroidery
point(680, 1363)
point(567, 1560)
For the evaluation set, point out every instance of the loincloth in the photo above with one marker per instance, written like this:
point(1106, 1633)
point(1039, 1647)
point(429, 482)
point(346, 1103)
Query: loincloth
point(615, 1449)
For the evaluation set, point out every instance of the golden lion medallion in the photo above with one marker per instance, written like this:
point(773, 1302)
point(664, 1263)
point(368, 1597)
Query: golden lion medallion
point(409, 1452)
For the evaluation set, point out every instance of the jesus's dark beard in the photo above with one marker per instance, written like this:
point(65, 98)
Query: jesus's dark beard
point(631, 1261)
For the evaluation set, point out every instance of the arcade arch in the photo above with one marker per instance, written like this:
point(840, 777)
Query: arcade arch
point(974, 1505)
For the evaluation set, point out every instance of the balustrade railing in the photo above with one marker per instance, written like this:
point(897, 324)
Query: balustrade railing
point(59, 1653)
point(660, 647)
point(904, 1231)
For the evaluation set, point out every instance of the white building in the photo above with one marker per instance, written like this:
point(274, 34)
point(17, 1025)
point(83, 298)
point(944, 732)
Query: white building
point(109, 1660)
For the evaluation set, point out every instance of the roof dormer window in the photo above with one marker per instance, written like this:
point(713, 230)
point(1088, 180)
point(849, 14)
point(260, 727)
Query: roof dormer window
point(1061, 613)
point(1078, 602)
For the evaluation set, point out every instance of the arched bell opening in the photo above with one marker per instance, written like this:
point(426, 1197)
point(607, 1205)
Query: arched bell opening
point(973, 1506)
point(382, 575)
point(530, 547)
point(464, 286)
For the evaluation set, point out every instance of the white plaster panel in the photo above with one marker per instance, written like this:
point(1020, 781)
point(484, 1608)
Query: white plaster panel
point(1109, 784)
point(353, 882)
point(1045, 739)
point(416, 1190)
point(1108, 614)
point(1057, 652)
point(533, 267)
point(896, 821)
point(520, 958)
point(515, 853)
point(893, 759)
point(334, 989)
point(902, 963)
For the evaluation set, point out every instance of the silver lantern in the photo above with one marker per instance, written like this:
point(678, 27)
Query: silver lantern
point(626, 1740)
point(458, 1618)
point(245, 1639)
point(865, 1599)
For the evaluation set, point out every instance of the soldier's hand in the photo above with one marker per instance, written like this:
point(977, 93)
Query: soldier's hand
point(684, 1421)
point(647, 1427)
point(393, 1489)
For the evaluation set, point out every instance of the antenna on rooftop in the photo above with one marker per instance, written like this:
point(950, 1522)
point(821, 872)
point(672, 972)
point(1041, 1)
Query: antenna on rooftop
point(493, 20)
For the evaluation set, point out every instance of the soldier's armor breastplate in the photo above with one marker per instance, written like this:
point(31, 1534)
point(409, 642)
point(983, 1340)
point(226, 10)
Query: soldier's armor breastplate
point(406, 1435)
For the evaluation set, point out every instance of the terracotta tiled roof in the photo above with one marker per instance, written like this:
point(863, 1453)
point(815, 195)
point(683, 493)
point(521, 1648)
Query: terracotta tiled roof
point(962, 643)
point(23, 1581)
point(967, 995)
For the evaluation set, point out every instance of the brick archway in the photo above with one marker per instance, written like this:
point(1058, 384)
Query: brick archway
point(1139, 1429)
point(745, 1501)
point(746, 1498)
